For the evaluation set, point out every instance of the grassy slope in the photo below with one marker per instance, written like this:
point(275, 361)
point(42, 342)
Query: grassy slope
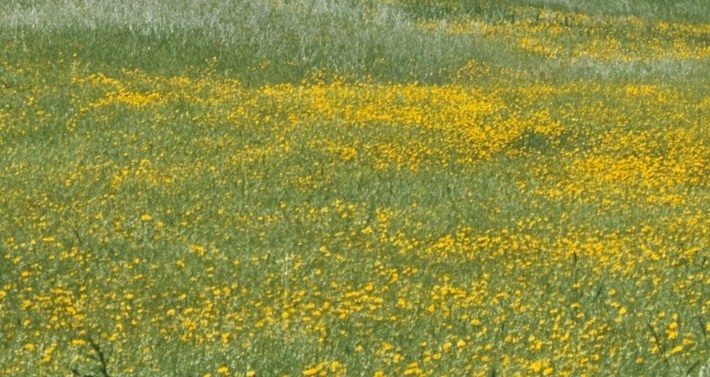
point(538, 203)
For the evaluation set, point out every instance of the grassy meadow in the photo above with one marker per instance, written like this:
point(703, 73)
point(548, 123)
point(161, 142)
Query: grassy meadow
point(354, 188)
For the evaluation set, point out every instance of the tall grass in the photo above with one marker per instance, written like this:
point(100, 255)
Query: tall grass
point(256, 40)
point(354, 188)
point(285, 41)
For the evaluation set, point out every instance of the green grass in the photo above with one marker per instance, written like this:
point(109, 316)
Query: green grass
point(284, 41)
point(351, 187)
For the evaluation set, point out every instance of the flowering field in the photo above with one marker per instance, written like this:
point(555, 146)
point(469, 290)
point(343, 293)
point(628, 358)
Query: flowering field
point(452, 188)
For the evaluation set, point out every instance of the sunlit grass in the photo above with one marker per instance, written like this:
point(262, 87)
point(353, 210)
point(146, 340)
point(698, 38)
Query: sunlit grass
point(450, 188)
